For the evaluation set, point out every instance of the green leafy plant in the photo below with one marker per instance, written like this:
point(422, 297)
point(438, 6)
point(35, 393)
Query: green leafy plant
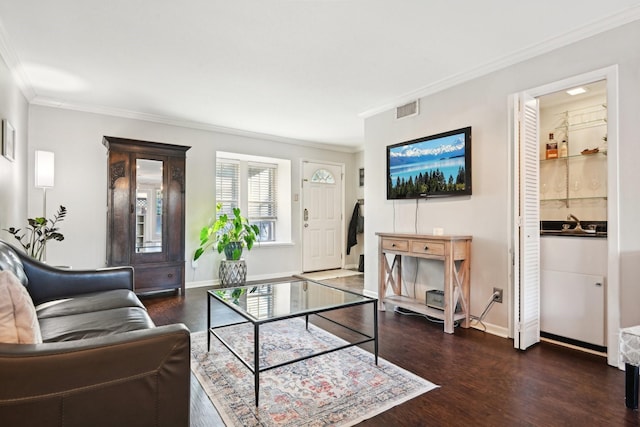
point(229, 234)
point(235, 294)
point(39, 231)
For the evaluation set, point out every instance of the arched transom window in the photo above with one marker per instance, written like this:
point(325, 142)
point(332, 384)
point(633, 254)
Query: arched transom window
point(323, 176)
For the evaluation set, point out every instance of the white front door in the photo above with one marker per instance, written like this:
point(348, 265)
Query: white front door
point(322, 230)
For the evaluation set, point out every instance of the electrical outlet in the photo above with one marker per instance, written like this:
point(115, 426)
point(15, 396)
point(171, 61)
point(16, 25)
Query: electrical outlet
point(497, 298)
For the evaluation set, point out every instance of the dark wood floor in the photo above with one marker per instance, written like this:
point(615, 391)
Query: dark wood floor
point(483, 380)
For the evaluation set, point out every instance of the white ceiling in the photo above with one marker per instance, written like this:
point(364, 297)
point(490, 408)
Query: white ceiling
point(306, 70)
point(562, 97)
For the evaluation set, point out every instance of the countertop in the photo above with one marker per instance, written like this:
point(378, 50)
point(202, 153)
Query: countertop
point(554, 228)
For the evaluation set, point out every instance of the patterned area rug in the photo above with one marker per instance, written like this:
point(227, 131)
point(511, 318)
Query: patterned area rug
point(338, 389)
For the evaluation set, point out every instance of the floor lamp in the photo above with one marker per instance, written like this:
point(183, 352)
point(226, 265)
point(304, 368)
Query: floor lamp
point(44, 179)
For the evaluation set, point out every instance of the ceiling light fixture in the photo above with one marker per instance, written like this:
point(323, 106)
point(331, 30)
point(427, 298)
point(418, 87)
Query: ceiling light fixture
point(576, 91)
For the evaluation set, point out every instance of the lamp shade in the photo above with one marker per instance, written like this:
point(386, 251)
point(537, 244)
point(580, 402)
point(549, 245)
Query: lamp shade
point(44, 169)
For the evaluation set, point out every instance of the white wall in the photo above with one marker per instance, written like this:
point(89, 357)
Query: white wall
point(483, 104)
point(81, 185)
point(13, 200)
point(352, 260)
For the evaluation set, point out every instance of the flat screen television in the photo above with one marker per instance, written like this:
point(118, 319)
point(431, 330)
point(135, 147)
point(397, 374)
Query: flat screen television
point(431, 166)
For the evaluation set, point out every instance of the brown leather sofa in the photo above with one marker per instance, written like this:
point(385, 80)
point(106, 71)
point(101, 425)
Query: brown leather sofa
point(102, 361)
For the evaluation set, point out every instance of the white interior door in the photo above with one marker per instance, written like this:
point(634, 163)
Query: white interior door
point(527, 223)
point(321, 216)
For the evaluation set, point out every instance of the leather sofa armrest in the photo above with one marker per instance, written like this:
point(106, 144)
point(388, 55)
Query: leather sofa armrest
point(47, 283)
point(133, 378)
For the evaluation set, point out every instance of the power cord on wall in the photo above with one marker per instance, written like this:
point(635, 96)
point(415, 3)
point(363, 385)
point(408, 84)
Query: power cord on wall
point(415, 221)
point(394, 216)
point(490, 303)
point(406, 312)
point(494, 297)
point(415, 225)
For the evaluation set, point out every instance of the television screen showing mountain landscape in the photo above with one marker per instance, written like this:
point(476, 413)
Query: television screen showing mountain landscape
point(429, 167)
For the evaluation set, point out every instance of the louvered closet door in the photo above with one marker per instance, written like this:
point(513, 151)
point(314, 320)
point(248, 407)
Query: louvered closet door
point(527, 257)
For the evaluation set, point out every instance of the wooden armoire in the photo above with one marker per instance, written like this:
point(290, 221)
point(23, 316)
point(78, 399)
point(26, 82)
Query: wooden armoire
point(145, 211)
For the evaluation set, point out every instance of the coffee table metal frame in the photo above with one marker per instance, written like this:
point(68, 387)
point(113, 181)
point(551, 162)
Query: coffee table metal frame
point(255, 369)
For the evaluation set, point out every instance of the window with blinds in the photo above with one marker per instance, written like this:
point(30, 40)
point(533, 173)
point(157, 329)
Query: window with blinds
point(251, 186)
point(227, 185)
point(262, 197)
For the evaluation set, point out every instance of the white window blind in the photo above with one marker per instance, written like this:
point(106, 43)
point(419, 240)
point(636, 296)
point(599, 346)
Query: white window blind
point(262, 191)
point(262, 198)
point(251, 186)
point(260, 303)
point(228, 185)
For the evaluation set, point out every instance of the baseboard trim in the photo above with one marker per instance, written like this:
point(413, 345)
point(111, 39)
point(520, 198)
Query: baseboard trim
point(574, 347)
point(370, 294)
point(216, 282)
point(201, 284)
point(491, 329)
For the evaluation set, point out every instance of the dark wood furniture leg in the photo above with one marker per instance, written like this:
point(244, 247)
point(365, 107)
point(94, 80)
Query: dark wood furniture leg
point(631, 386)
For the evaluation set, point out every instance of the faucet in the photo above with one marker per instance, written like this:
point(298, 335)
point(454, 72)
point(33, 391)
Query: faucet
point(573, 217)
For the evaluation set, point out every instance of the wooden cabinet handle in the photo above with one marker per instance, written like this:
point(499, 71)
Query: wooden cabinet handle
point(426, 248)
point(170, 275)
point(393, 245)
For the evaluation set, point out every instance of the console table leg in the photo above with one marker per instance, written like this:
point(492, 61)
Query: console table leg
point(449, 300)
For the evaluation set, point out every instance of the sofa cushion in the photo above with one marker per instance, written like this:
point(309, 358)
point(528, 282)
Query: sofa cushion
point(9, 261)
point(87, 303)
point(18, 320)
point(94, 324)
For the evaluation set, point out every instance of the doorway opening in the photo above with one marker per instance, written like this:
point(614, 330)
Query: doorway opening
point(575, 184)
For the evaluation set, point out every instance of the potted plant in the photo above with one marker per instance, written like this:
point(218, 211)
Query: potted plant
point(228, 234)
point(39, 231)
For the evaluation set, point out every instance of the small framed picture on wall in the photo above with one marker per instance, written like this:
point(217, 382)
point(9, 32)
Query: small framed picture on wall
point(8, 140)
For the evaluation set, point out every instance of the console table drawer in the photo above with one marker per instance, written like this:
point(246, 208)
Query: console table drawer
point(395, 245)
point(428, 248)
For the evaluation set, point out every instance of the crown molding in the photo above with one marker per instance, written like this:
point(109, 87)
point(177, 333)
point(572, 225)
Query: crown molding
point(8, 54)
point(13, 63)
point(626, 16)
point(155, 118)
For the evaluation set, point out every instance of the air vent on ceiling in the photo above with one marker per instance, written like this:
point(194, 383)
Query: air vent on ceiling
point(407, 110)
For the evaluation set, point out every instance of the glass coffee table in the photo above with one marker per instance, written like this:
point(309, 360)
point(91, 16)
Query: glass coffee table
point(272, 302)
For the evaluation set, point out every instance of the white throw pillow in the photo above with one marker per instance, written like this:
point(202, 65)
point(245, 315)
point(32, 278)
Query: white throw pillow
point(18, 320)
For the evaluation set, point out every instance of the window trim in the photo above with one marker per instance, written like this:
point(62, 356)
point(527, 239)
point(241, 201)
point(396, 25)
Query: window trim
point(283, 192)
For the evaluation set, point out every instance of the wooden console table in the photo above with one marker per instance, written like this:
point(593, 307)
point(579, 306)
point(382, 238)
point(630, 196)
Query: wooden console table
point(449, 249)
